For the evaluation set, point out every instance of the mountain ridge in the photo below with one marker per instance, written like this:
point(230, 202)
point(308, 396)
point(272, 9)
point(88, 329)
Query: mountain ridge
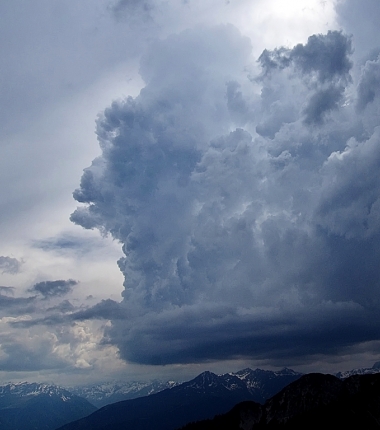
point(202, 397)
point(312, 401)
point(109, 392)
point(35, 406)
point(207, 395)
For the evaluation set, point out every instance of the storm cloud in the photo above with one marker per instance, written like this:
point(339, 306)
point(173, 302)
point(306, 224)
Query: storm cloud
point(53, 288)
point(15, 305)
point(247, 206)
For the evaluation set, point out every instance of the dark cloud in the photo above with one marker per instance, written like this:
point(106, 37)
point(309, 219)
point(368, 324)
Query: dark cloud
point(132, 4)
point(65, 312)
point(54, 288)
point(326, 56)
point(7, 290)
point(218, 333)
point(68, 242)
point(106, 309)
point(369, 84)
point(10, 265)
point(349, 201)
point(11, 306)
point(132, 9)
point(323, 102)
point(249, 223)
point(52, 320)
point(324, 67)
point(63, 307)
point(7, 303)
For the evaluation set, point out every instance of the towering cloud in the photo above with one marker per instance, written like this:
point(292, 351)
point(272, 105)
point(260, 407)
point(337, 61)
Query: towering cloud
point(247, 206)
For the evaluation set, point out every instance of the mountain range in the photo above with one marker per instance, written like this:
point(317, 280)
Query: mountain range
point(116, 391)
point(33, 406)
point(313, 401)
point(261, 384)
point(156, 404)
point(202, 397)
point(360, 371)
point(208, 395)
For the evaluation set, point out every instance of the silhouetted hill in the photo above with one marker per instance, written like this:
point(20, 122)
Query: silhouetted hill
point(200, 398)
point(263, 384)
point(203, 397)
point(313, 401)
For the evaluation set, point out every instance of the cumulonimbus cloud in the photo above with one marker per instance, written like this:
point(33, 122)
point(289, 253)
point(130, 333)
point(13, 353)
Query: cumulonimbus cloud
point(248, 219)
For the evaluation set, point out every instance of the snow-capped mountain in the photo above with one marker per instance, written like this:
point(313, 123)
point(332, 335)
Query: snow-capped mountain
point(34, 406)
point(210, 383)
point(263, 384)
point(201, 398)
point(361, 371)
point(112, 392)
point(257, 384)
point(23, 389)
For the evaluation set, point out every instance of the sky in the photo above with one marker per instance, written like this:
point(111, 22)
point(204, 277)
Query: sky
point(188, 185)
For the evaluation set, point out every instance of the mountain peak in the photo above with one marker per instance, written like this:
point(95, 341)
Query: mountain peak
point(37, 406)
point(287, 371)
point(21, 389)
point(204, 380)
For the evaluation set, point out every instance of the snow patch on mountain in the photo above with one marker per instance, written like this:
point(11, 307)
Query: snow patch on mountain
point(361, 371)
point(22, 389)
point(115, 391)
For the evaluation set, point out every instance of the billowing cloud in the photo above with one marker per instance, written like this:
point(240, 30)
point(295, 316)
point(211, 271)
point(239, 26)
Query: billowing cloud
point(247, 207)
point(325, 56)
point(9, 265)
point(323, 66)
point(72, 347)
point(53, 288)
point(368, 88)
